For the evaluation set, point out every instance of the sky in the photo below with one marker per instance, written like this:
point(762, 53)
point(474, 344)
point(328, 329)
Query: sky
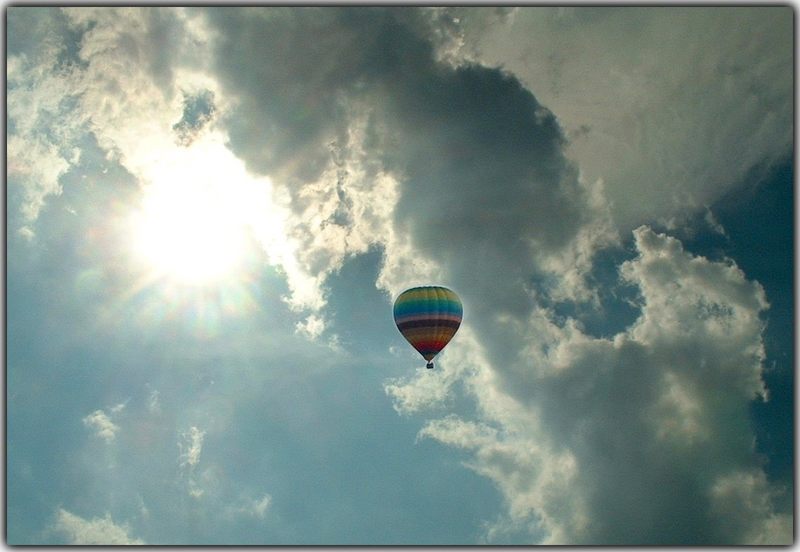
point(210, 212)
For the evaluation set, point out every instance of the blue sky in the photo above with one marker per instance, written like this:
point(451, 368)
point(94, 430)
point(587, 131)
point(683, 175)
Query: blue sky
point(210, 212)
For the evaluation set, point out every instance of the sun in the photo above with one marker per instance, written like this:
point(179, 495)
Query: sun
point(189, 234)
point(192, 224)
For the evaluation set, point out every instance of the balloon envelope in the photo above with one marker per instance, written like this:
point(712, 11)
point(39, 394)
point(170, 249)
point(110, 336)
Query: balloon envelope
point(428, 317)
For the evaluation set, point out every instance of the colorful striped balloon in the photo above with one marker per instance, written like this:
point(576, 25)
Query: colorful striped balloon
point(428, 317)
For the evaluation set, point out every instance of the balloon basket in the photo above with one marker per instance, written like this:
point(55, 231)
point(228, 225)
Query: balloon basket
point(429, 366)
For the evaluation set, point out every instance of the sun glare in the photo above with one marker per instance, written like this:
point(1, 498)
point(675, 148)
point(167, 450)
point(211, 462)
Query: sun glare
point(188, 234)
point(192, 227)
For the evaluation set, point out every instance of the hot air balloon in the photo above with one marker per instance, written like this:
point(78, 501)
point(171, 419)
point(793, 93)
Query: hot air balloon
point(428, 317)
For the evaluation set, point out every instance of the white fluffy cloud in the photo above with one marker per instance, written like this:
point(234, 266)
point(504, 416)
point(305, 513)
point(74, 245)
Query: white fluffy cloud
point(102, 425)
point(96, 531)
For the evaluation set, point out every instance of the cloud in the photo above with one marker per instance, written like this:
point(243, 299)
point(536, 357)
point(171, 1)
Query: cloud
point(436, 387)
point(114, 74)
point(587, 420)
point(663, 141)
point(118, 407)
point(504, 181)
point(452, 150)
point(42, 126)
point(191, 446)
point(403, 152)
point(153, 402)
point(142, 73)
point(39, 166)
point(134, 74)
point(307, 128)
point(258, 507)
point(355, 164)
point(312, 326)
point(743, 502)
point(97, 531)
point(533, 479)
point(641, 438)
point(130, 61)
point(101, 423)
point(251, 507)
